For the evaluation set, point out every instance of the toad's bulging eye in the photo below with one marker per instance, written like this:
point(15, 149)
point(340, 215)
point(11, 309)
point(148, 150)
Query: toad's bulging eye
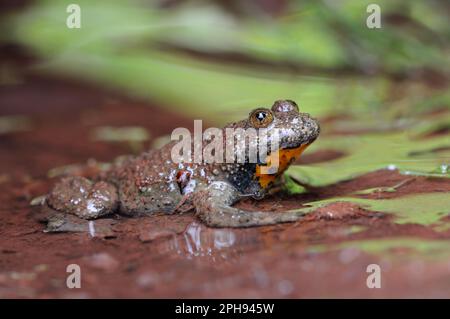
point(261, 118)
point(284, 106)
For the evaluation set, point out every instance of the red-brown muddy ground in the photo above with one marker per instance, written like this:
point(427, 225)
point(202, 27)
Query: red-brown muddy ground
point(176, 256)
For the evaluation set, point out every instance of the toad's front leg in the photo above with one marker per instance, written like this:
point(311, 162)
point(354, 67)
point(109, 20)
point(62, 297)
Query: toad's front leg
point(213, 207)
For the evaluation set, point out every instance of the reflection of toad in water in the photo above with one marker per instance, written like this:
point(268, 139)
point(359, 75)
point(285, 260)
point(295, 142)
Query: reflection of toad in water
point(198, 241)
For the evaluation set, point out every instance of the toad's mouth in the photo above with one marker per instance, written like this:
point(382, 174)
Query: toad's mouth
point(285, 156)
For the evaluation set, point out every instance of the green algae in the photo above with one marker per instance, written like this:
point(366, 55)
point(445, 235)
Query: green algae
point(371, 152)
point(436, 249)
point(134, 136)
point(121, 134)
point(424, 209)
point(375, 190)
point(291, 187)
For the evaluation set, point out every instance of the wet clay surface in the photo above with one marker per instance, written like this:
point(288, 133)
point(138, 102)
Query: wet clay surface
point(175, 255)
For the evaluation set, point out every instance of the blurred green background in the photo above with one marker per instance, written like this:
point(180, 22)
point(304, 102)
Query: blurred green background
point(217, 58)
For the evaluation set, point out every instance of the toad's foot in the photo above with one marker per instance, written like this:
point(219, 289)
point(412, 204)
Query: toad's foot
point(83, 198)
point(213, 207)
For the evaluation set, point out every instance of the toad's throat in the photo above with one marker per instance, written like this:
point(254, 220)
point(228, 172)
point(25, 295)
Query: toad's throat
point(285, 158)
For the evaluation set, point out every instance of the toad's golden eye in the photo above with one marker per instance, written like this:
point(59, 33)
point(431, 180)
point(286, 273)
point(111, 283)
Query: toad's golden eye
point(260, 118)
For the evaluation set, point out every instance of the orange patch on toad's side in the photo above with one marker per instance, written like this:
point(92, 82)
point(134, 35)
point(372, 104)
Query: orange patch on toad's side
point(286, 157)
